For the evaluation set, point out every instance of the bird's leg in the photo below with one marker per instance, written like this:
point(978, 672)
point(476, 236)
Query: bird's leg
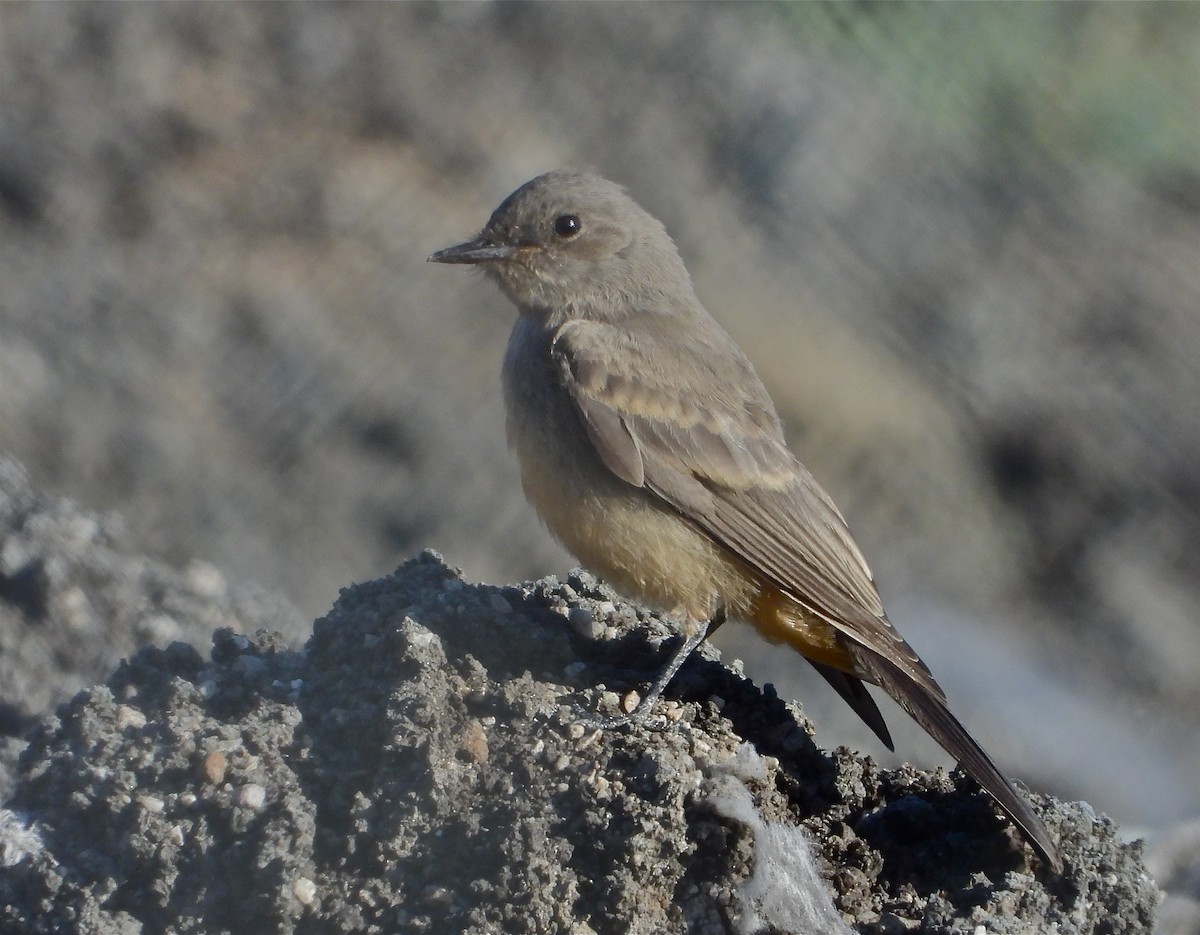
point(694, 633)
point(717, 615)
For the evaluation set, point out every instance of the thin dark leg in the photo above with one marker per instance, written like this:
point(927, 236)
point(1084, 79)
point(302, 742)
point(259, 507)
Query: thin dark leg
point(663, 679)
point(719, 616)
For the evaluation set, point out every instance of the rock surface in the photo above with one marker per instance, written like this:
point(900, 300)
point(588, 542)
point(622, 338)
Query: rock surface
point(424, 764)
point(76, 597)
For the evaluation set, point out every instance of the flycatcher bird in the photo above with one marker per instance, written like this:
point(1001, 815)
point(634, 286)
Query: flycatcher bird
point(650, 448)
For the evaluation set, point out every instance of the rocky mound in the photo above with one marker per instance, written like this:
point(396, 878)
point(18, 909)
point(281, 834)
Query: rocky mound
point(425, 764)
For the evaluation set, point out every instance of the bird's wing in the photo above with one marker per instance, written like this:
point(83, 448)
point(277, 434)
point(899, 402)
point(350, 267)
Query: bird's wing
point(720, 459)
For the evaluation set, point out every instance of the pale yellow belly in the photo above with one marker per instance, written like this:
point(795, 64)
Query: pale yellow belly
point(622, 533)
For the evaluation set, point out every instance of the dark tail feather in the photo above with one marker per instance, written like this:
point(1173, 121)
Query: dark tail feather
point(855, 694)
point(944, 727)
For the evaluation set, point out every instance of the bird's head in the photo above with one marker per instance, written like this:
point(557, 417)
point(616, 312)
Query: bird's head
point(573, 245)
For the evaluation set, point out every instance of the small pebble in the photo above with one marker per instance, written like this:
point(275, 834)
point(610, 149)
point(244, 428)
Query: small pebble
point(215, 765)
point(583, 622)
point(436, 896)
point(305, 891)
point(475, 742)
point(251, 795)
point(130, 717)
point(152, 804)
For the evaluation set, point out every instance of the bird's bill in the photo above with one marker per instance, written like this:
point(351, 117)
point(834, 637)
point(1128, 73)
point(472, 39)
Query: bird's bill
point(478, 250)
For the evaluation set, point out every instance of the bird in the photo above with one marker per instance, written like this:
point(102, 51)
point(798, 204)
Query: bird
point(651, 449)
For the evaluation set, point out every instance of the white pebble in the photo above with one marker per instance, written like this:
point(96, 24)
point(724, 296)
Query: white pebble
point(251, 795)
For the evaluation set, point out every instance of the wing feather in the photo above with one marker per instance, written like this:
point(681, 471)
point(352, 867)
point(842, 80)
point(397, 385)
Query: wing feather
point(721, 461)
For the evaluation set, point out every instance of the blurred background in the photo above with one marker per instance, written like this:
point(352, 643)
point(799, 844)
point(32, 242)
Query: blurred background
point(961, 243)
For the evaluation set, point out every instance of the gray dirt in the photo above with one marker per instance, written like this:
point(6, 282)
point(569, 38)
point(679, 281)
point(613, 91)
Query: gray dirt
point(424, 764)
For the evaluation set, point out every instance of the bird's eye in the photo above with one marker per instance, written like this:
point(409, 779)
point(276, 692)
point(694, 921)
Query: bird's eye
point(567, 225)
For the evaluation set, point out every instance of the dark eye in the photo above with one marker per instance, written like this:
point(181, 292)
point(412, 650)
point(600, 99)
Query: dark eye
point(567, 225)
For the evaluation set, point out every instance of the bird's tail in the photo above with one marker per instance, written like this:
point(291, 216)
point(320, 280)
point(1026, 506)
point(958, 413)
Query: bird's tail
point(855, 694)
point(936, 719)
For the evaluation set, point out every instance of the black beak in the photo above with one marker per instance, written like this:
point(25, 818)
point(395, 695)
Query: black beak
point(478, 250)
